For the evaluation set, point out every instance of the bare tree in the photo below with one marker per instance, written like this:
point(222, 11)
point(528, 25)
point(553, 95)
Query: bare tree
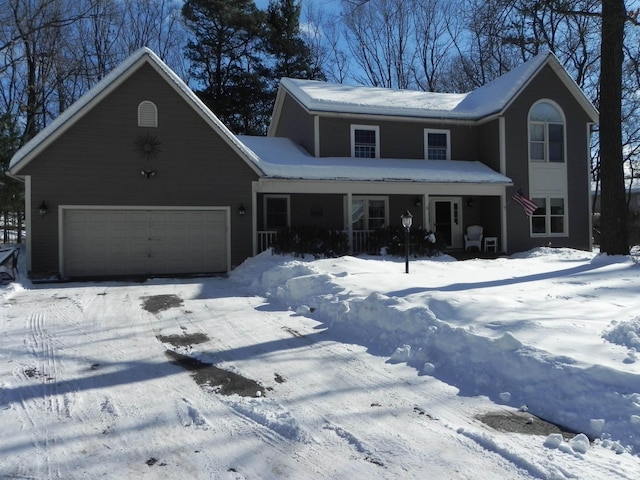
point(378, 33)
point(436, 26)
point(323, 34)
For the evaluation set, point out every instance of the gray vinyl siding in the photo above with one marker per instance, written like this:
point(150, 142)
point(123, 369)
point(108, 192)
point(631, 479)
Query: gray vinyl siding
point(332, 207)
point(489, 144)
point(95, 163)
point(548, 85)
point(296, 124)
point(398, 139)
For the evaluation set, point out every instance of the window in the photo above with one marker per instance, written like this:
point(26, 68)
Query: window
point(276, 212)
point(437, 145)
point(369, 213)
point(147, 114)
point(549, 218)
point(546, 133)
point(365, 141)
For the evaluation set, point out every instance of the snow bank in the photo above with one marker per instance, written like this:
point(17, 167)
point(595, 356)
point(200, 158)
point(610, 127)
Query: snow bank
point(554, 387)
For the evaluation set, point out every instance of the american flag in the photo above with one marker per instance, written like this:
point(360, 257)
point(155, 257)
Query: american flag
point(527, 204)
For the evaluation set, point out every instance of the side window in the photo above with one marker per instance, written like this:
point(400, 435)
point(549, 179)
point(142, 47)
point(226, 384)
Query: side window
point(147, 114)
point(546, 133)
point(365, 141)
point(276, 212)
point(369, 213)
point(437, 144)
point(549, 218)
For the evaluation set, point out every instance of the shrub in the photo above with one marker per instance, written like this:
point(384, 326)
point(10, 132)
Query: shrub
point(324, 243)
point(319, 242)
point(422, 243)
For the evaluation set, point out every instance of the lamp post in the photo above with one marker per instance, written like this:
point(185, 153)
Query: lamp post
point(407, 220)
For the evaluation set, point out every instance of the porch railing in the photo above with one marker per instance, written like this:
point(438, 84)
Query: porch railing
point(266, 239)
point(361, 240)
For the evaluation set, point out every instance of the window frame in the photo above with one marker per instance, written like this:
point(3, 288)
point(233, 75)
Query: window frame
point(371, 128)
point(546, 141)
point(447, 133)
point(265, 210)
point(548, 215)
point(366, 214)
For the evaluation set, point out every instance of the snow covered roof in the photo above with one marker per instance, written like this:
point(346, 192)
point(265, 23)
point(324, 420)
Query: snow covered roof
point(279, 157)
point(489, 99)
point(105, 86)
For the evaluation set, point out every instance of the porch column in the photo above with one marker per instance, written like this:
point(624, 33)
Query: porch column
point(349, 221)
point(426, 220)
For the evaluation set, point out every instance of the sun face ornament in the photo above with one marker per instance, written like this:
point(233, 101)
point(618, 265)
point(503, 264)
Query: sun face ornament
point(147, 146)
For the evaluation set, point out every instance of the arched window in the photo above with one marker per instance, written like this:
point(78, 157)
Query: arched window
point(147, 114)
point(546, 133)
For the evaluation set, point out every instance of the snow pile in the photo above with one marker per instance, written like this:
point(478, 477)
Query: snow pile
point(599, 399)
point(625, 333)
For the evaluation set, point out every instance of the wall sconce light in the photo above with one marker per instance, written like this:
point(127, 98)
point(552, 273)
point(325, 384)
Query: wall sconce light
point(418, 202)
point(242, 210)
point(470, 202)
point(148, 173)
point(42, 209)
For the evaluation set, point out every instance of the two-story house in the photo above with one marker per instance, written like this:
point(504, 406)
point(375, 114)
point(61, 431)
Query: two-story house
point(140, 177)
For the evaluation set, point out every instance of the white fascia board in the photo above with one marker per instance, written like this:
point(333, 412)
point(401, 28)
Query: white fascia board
point(380, 188)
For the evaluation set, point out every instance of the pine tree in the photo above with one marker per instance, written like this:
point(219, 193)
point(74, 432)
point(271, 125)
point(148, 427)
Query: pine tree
point(290, 54)
point(227, 61)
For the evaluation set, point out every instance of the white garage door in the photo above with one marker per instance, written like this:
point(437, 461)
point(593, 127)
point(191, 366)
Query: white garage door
point(136, 241)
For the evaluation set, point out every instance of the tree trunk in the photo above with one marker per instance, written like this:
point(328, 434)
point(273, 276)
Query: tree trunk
point(614, 235)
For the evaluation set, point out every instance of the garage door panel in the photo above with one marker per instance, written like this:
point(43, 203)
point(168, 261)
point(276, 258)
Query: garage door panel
point(117, 242)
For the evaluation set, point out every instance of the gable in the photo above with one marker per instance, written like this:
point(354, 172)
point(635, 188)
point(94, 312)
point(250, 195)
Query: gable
point(104, 88)
point(103, 146)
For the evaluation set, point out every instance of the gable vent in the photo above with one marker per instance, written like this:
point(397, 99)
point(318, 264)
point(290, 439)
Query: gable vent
point(147, 114)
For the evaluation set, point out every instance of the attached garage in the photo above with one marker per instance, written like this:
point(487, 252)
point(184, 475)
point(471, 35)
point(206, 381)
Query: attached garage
point(143, 240)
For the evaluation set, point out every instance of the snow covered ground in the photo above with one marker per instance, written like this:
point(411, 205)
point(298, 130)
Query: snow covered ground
point(362, 371)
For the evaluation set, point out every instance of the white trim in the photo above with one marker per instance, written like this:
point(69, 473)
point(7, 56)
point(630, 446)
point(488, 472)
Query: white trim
point(63, 208)
point(277, 110)
point(348, 209)
point(502, 139)
point(316, 136)
point(287, 197)
point(428, 131)
point(547, 217)
point(147, 114)
point(378, 187)
point(457, 228)
point(547, 139)
point(370, 128)
point(504, 242)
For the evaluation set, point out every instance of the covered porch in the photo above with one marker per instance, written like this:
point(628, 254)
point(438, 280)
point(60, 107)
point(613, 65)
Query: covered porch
point(360, 210)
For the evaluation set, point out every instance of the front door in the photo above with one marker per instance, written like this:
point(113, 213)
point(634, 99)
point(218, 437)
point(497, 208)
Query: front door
point(446, 221)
